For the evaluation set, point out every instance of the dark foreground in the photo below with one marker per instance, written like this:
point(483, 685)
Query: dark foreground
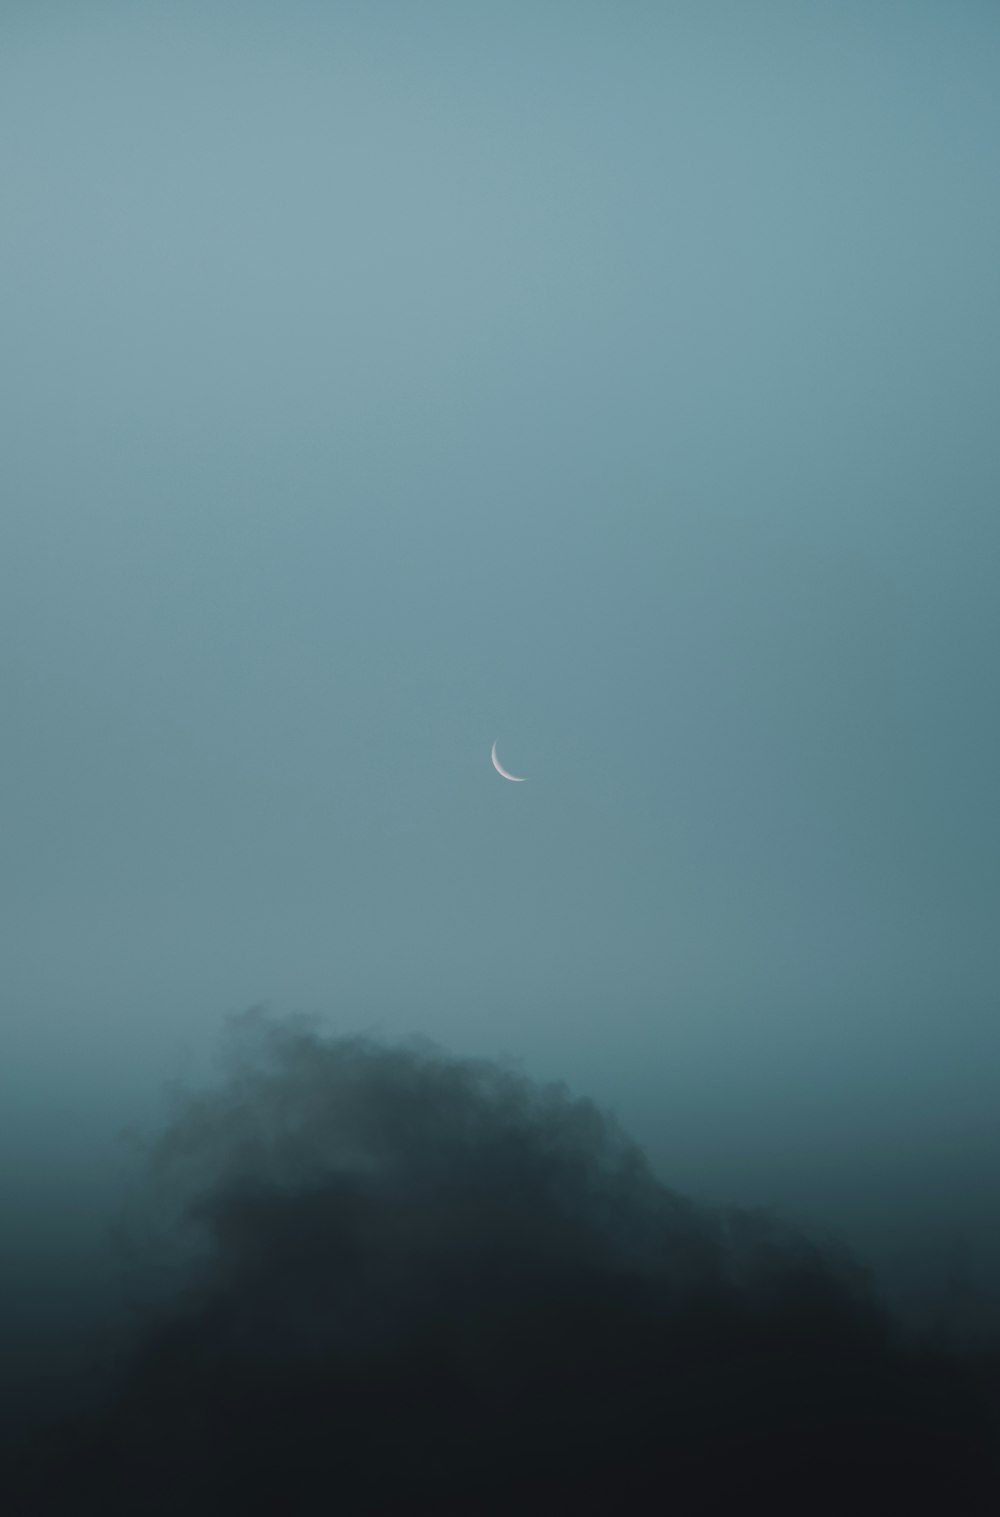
point(381, 1281)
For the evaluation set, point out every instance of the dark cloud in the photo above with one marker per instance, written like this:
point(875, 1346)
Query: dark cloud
point(382, 1280)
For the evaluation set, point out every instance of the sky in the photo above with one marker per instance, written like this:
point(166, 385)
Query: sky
point(615, 382)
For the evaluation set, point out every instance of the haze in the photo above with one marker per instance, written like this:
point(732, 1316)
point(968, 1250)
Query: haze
point(618, 382)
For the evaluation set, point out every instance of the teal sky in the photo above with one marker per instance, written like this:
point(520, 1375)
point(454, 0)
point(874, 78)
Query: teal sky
point(616, 381)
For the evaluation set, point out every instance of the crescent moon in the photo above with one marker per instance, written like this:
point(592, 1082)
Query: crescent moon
point(517, 778)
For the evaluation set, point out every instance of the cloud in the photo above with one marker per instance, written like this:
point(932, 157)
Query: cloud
point(378, 1279)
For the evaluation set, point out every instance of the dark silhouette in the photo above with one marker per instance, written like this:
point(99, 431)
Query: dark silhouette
point(381, 1280)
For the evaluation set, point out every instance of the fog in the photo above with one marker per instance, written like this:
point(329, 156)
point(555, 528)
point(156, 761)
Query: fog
point(616, 383)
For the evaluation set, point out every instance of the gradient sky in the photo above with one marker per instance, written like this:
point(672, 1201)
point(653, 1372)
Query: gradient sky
point(617, 381)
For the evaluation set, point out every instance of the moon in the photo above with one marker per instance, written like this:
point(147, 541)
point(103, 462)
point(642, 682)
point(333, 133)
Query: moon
point(517, 778)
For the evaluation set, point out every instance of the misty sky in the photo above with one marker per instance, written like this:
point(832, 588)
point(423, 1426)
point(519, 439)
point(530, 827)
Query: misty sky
point(616, 381)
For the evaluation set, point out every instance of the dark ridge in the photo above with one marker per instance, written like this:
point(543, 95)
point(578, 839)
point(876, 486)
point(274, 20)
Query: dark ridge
point(381, 1280)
